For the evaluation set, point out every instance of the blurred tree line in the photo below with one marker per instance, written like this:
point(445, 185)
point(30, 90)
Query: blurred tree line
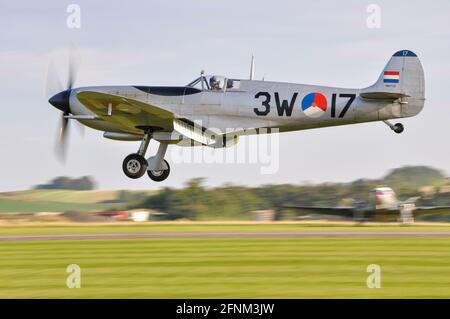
point(64, 182)
point(197, 202)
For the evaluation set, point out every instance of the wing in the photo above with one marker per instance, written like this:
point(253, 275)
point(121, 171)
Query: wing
point(333, 211)
point(428, 210)
point(126, 113)
point(131, 115)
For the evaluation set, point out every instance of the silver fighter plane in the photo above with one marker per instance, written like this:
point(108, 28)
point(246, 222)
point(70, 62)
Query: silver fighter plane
point(215, 110)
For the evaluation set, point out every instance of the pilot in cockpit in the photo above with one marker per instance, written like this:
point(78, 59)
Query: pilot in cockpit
point(214, 83)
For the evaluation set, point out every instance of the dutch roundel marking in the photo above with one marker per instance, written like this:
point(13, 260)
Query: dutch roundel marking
point(314, 105)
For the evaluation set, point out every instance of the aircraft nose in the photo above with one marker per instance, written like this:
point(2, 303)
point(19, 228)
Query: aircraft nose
point(61, 101)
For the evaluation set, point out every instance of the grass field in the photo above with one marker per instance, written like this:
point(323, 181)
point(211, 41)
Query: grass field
point(224, 267)
point(61, 200)
point(124, 227)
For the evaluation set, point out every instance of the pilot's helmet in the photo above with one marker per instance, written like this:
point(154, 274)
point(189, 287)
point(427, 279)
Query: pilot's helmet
point(214, 82)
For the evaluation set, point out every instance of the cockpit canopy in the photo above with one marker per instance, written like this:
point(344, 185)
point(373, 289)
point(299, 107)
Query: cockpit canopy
point(214, 83)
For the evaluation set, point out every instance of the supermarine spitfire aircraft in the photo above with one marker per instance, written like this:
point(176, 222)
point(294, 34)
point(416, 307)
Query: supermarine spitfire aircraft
point(383, 205)
point(214, 110)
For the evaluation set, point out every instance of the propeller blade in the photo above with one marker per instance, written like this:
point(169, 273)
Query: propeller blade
point(60, 99)
point(74, 61)
point(61, 147)
point(80, 128)
point(52, 83)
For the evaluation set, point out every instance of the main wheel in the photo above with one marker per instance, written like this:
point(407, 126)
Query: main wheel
point(134, 166)
point(398, 128)
point(159, 176)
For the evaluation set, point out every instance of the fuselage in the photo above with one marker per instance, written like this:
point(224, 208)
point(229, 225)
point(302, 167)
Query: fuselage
point(256, 104)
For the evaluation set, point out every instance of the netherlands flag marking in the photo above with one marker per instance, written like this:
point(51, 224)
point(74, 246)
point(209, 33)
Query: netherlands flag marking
point(391, 77)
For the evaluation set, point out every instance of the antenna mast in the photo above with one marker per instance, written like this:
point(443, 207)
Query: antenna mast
point(252, 68)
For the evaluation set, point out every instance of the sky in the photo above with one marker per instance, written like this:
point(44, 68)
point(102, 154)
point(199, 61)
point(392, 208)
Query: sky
point(170, 42)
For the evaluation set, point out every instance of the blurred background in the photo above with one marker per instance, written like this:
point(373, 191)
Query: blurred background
point(169, 43)
point(77, 199)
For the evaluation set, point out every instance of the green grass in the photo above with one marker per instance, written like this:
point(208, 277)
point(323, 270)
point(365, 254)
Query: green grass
point(56, 201)
point(48, 228)
point(221, 267)
point(63, 196)
point(14, 205)
point(61, 200)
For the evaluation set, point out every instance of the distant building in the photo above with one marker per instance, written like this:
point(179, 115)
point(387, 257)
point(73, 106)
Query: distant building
point(113, 215)
point(139, 215)
point(142, 215)
point(263, 215)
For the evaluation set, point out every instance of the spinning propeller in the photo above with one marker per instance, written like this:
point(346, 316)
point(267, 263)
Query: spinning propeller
point(61, 100)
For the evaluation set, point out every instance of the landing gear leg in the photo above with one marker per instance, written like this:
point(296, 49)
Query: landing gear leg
point(135, 165)
point(397, 127)
point(158, 168)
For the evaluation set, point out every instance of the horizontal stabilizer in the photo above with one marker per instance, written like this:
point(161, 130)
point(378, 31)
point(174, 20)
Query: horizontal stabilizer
point(382, 95)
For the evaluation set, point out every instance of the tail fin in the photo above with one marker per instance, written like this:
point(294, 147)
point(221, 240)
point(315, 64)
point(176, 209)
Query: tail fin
point(402, 78)
point(385, 198)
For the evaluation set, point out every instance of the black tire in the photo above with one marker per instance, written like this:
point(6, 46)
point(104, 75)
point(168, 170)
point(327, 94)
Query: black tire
point(159, 176)
point(398, 128)
point(134, 166)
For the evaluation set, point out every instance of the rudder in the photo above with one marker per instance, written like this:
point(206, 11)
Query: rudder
point(402, 77)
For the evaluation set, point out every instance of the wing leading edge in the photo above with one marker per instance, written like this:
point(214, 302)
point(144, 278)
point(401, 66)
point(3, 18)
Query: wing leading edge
point(348, 211)
point(128, 114)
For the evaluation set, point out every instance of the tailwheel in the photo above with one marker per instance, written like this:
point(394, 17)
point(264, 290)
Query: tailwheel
point(159, 176)
point(398, 128)
point(134, 166)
